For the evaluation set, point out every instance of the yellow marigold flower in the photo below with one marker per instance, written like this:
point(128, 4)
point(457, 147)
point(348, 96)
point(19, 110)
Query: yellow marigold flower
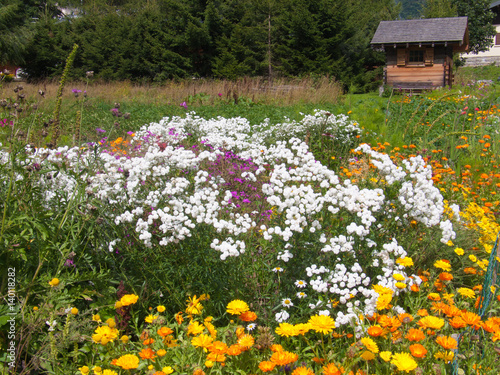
point(302, 371)
point(386, 356)
point(195, 328)
point(167, 370)
point(111, 323)
point(322, 323)
point(442, 264)
point(74, 311)
point(151, 318)
point(434, 297)
point(97, 369)
point(202, 341)
point(128, 362)
point(445, 356)
point(161, 352)
point(302, 328)
point(400, 285)
point(104, 334)
point(286, 329)
point(367, 355)
point(35, 308)
point(459, 251)
point(54, 282)
point(129, 299)
point(209, 364)
point(431, 322)
point(194, 306)
point(84, 370)
point(161, 308)
point(237, 307)
point(398, 277)
point(124, 339)
point(369, 344)
point(404, 362)
point(473, 258)
point(96, 318)
point(109, 372)
point(384, 301)
point(406, 261)
point(466, 292)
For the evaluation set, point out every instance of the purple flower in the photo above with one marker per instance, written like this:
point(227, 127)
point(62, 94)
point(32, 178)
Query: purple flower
point(220, 94)
point(130, 133)
point(76, 91)
point(99, 130)
point(184, 104)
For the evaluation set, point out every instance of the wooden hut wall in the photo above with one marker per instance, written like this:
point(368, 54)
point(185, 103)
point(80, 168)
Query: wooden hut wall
point(417, 75)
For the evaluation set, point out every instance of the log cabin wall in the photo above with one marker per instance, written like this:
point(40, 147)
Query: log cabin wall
point(418, 67)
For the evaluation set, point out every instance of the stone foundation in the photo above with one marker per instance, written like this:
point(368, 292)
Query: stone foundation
point(482, 60)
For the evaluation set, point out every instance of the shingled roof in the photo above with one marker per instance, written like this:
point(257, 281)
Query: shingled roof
point(429, 30)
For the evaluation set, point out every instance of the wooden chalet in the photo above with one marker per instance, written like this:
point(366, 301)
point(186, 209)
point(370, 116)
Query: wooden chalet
point(419, 53)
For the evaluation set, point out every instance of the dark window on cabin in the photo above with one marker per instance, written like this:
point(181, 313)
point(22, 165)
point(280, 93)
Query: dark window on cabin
point(416, 56)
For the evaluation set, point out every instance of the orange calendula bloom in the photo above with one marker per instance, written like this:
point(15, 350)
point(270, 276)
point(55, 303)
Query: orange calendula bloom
point(178, 317)
point(246, 341)
point(422, 312)
point(332, 369)
point(447, 342)
point(129, 299)
point(415, 335)
point(470, 318)
point(445, 276)
point(164, 331)
point(303, 371)
point(218, 347)
point(248, 316)
point(375, 331)
point(266, 366)
point(284, 358)
point(147, 353)
point(418, 350)
point(234, 350)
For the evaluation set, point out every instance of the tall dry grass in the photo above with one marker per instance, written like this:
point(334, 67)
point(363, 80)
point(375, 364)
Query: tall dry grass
point(258, 90)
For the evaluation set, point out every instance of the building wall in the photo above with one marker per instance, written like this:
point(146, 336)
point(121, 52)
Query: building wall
point(424, 75)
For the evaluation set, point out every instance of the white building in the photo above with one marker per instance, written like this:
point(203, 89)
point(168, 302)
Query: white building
point(493, 54)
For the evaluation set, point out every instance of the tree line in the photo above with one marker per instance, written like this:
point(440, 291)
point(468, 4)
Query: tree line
point(156, 40)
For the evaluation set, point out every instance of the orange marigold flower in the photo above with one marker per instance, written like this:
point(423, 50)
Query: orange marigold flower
point(415, 335)
point(405, 318)
point(447, 342)
point(302, 370)
point(445, 276)
point(422, 312)
point(457, 322)
point(375, 331)
point(179, 318)
point(332, 369)
point(216, 357)
point(147, 353)
point(277, 348)
point(470, 318)
point(127, 362)
point(246, 341)
point(148, 341)
point(284, 358)
point(218, 347)
point(470, 270)
point(164, 331)
point(266, 366)
point(418, 350)
point(234, 350)
point(248, 316)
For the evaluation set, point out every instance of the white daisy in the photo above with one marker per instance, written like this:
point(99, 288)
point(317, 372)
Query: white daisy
point(301, 295)
point(251, 326)
point(300, 284)
point(277, 269)
point(282, 316)
point(286, 302)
